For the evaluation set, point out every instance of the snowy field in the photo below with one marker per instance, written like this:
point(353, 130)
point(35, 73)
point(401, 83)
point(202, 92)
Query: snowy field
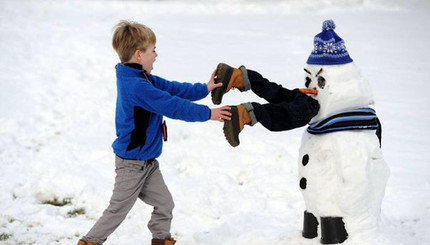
point(57, 90)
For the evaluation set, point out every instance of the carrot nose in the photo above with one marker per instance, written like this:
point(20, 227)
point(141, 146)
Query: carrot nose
point(308, 91)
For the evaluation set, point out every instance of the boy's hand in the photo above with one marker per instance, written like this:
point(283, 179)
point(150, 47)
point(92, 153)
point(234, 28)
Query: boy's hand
point(221, 113)
point(211, 84)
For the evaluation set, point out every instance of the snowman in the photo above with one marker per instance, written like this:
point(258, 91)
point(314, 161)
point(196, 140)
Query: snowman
point(342, 173)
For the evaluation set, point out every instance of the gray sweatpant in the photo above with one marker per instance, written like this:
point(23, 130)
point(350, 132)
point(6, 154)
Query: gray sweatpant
point(136, 179)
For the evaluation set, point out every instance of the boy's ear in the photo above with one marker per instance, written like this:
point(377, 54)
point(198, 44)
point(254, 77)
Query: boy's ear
point(137, 54)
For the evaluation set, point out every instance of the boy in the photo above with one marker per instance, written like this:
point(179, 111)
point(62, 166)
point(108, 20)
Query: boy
point(142, 101)
point(287, 109)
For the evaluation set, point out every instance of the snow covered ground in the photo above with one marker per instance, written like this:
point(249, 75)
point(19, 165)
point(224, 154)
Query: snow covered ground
point(57, 90)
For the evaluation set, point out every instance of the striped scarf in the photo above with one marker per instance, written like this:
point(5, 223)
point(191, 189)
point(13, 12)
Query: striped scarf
point(357, 119)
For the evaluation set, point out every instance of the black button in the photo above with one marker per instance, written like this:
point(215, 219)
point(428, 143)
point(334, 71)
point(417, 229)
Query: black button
point(305, 159)
point(303, 183)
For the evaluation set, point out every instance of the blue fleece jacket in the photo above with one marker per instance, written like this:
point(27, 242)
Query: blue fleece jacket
point(142, 101)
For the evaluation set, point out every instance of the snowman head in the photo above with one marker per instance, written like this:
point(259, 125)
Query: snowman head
point(340, 88)
point(333, 73)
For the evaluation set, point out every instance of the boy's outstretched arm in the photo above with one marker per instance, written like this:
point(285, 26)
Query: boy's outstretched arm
point(220, 114)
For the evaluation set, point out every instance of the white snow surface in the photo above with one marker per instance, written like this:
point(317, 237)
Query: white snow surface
point(57, 90)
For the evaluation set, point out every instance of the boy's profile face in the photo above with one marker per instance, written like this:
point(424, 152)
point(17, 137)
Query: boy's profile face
point(147, 58)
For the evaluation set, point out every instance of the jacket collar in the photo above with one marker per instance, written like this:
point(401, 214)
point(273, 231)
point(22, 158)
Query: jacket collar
point(130, 68)
point(134, 65)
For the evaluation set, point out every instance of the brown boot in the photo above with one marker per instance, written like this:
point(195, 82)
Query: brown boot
point(85, 242)
point(239, 117)
point(171, 241)
point(230, 78)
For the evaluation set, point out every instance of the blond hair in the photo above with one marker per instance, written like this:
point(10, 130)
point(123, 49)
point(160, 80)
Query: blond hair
point(130, 36)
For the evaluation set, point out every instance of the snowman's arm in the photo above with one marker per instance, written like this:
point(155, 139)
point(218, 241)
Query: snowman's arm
point(270, 91)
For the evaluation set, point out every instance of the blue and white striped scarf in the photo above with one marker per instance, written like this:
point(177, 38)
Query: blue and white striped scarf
point(357, 119)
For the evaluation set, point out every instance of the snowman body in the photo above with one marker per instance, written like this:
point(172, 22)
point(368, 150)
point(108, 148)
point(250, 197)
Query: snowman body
point(342, 174)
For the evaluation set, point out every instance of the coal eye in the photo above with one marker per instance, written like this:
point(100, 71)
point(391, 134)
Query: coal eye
point(321, 82)
point(308, 81)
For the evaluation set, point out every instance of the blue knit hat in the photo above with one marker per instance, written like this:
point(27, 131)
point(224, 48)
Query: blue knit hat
point(329, 48)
